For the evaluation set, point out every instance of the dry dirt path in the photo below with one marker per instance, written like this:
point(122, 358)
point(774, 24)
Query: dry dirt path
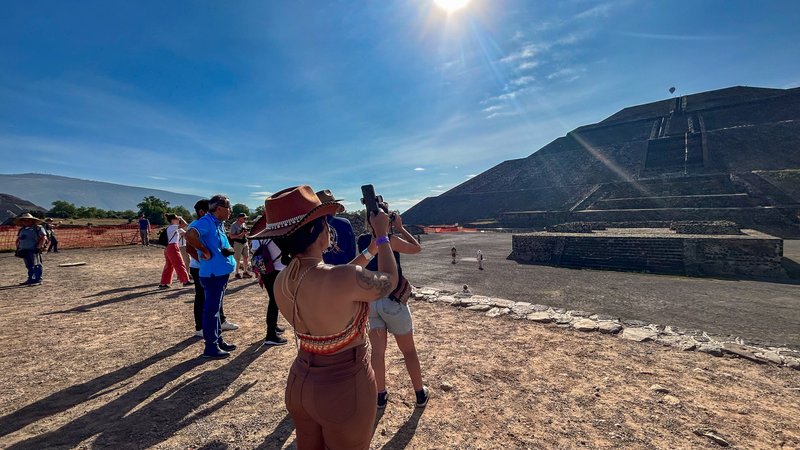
point(765, 313)
point(97, 357)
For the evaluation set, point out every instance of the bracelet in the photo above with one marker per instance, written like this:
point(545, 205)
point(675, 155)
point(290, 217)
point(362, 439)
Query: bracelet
point(382, 240)
point(367, 254)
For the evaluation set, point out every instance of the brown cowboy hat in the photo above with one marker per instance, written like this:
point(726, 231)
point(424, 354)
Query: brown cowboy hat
point(26, 216)
point(326, 196)
point(288, 210)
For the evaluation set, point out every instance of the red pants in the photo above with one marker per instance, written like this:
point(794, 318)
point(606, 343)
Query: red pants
point(174, 261)
point(331, 399)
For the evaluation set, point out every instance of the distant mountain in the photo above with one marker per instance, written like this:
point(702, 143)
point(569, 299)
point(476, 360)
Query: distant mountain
point(43, 189)
point(11, 206)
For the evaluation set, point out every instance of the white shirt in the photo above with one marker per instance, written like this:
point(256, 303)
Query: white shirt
point(174, 234)
point(275, 253)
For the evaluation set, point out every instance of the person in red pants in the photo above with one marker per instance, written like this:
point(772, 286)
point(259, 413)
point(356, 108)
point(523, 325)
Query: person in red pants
point(172, 254)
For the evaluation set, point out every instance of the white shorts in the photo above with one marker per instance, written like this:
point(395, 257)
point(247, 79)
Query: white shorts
point(392, 315)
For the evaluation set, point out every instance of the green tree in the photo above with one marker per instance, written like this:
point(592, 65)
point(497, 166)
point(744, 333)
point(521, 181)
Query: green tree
point(154, 209)
point(62, 209)
point(128, 214)
point(259, 211)
point(239, 208)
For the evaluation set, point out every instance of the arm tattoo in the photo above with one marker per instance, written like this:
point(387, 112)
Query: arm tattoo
point(371, 281)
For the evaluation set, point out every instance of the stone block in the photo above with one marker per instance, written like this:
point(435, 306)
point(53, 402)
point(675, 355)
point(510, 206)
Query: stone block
point(497, 312)
point(639, 334)
point(540, 316)
point(585, 325)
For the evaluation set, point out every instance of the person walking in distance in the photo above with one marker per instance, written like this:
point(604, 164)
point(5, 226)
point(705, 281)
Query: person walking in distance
point(144, 230)
point(479, 257)
point(31, 241)
point(453, 253)
point(241, 254)
point(200, 209)
point(207, 236)
point(172, 254)
point(50, 229)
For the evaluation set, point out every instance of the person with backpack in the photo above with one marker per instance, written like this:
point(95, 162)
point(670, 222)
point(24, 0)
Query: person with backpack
point(31, 241)
point(267, 264)
point(173, 261)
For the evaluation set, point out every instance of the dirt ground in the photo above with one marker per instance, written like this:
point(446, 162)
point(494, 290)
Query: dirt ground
point(98, 357)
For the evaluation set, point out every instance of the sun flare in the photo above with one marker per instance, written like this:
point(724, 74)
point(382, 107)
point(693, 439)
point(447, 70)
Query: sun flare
point(451, 5)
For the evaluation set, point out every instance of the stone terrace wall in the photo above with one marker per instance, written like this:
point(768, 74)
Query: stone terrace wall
point(755, 255)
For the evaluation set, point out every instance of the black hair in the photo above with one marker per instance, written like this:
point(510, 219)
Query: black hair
point(216, 201)
point(300, 240)
point(201, 205)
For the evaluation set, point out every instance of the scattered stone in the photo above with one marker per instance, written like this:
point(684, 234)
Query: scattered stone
point(713, 435)
point(634, 323)
point(789, 352)
point(522, 309)
point(609, 327)
point(464, 301)
point(793, 363)
point(446, 387)
point(449, 299)
point(671, 400)
point(741, 351)
point(497, 312)
point(479, 308)
point(538, 308)
point(770, 356)
point(578, 313)
point(673, 341)
point(502, 303)
point(559, 310)
point(711, 349)
point(701, 339)
point(688, 346)
point(659, 388)
point(563, 319)
point(427, 292)
point(639, 334)
point(585, 325)
point(543, 317)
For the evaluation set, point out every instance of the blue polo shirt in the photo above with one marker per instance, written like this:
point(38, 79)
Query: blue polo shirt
point(212, 235)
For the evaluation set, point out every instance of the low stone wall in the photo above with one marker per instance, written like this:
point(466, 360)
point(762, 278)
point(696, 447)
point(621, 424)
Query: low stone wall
point(633, 330)
point(719, 227)
point(751, 255)
point(779, 221)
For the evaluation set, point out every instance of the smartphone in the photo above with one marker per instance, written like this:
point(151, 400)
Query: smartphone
point(368, 199)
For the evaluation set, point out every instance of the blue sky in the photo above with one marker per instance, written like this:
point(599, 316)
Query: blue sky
point(246, 98)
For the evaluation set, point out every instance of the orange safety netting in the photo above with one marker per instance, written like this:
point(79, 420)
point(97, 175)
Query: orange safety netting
point(82, 237)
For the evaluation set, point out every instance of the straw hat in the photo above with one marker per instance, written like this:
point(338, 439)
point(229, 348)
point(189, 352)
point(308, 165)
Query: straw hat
point(326, 196)
point(288, 210)
point(26, 216)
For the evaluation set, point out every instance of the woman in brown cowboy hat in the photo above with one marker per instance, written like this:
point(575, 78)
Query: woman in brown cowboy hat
point(330, 391)
point(31, 241)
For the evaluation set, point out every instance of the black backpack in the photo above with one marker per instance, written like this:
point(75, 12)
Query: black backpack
point(163, 239)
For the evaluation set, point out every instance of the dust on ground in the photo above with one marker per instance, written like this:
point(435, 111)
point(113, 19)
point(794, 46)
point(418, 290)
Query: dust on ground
point(98, 357)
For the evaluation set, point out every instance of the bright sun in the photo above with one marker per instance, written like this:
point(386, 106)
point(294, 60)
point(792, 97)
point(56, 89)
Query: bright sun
point(451, 5)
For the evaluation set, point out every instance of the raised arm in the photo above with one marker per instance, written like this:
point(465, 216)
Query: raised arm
point(403, 241)
point(361, 285)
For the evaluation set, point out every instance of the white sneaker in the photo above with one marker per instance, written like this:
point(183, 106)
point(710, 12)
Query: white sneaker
point(198, 333)
point(228, 326)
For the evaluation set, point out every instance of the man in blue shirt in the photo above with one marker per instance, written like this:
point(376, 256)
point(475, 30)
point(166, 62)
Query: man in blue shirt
point(207, 236)
point(344, 249)
point(144, 229)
